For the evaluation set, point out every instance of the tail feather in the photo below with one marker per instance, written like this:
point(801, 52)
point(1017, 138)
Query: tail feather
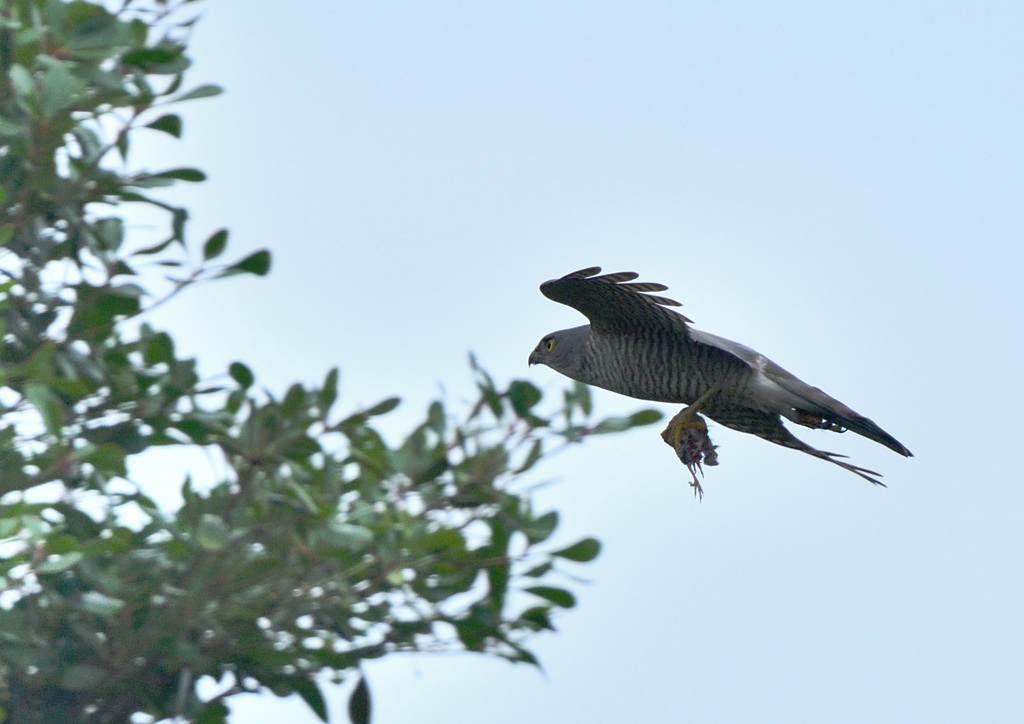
point(813, 407)
point(868, 428)
point(768, 426)
point(870, 475)
point(850, 420)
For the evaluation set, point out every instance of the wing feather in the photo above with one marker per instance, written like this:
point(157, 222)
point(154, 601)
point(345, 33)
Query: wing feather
point(616, 277)
point(613, 305)
point(643, 286)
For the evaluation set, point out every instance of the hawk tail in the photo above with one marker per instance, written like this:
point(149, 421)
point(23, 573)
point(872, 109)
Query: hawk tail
point(850, 420)
point(768, 426)
point(814, 408)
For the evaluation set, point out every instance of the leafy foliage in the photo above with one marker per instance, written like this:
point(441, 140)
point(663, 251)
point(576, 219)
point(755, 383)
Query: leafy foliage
point(320, 545)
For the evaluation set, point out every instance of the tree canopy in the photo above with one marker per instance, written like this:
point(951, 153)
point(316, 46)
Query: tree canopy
point(322, 543)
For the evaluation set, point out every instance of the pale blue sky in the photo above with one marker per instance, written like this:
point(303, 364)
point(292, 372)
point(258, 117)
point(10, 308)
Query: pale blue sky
point(838, 185)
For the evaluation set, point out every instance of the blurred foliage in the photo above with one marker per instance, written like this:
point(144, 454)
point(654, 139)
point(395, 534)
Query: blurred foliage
point(320, 544)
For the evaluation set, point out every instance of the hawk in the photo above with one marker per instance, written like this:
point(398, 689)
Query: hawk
point(636, 346)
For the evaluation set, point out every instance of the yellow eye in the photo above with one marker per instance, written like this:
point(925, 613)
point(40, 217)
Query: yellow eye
point(549, 344)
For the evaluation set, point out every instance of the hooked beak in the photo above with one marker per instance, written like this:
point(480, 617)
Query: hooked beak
point(533, 358)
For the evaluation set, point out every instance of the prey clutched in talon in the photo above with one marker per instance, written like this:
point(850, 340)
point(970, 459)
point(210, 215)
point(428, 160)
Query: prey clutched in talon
point(687, 434)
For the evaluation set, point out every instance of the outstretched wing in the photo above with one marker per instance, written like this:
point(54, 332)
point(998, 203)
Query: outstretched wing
point(614, 303)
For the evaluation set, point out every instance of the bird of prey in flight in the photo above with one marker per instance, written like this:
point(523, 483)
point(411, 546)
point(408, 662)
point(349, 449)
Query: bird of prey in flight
point(636, 346)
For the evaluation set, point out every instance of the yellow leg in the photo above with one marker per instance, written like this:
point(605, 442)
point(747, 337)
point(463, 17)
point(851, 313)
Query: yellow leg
point(674, 430)
point(688, 419)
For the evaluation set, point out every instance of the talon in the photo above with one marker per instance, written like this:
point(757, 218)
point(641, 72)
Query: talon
point(816, 422)
point(685, 419)
point(687, 434)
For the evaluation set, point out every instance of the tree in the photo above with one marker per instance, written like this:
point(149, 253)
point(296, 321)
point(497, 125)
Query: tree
point(322, 545)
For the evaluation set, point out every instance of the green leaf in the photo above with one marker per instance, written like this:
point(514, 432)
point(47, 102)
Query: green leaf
point(344, 536)
point(621, 424)
point(178, 79)
point(436, 419)
point(611, 424)
point(6, 231)
point(583, 551)
point(90, 26)
point(302, 448)
point(159, 348)
point(110, 232)
point(204, 91)
point(524, 656)
point(329, 392)
point(644, 417)
point(193, 175)
point(98, 307)
point(56, 564)
point(216, 712)
point(145, 181)
point(164, 59)
point(294, 400)
point(536, 451)
point(49, 407)
point(310, 693)
point(212, 533)
point(340, 661)
point(127, 290)
point(101, 604)
point(124, 435)
point(241, 374)
point(59, 89)
point(444, 541)
point(472, 634)
point(523, 396)
point(200, 428)
point(215, 245)
point(539, 571)
point(585, 398)
point(82, 677)
point(9, 527)
point(359, 707)
point(61, 543)
point(143, 57)
point(155, 248)
point(170, 124)
point(303, 497)
point(383, 407)
point(579, 396)
point(21, 80)
point(483, 467)
point(39, 367)
point(122, 145)
point(540, 529)
point(538, 617)
point(108, 458)
point(557, 596)
point(13, 128)
point(257, 263)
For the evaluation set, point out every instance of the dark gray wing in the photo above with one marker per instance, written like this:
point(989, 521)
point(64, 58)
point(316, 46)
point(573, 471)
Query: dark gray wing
point(614, 303)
